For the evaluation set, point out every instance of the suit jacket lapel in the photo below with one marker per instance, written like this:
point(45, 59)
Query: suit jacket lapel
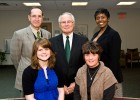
point(60, 45)
point(105, 33)
point(45, 35)
point(74, 45)
point(60, 42)
point(30, 34)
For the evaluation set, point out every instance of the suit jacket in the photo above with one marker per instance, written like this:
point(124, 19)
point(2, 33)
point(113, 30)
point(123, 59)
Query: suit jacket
point(65, 71)
point(110, 41)
point(21, 51)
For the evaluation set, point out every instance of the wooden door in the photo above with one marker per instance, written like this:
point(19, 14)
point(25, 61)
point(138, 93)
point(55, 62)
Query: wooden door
point(47, 26)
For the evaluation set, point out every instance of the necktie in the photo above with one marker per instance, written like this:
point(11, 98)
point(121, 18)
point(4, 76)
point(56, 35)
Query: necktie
point(67, 49)
point(38, 35)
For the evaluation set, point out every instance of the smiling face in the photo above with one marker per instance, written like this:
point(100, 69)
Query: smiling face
point(92, 60)
point(101, 20)
point(66, 24)
point(43, 54)
point(35, 17)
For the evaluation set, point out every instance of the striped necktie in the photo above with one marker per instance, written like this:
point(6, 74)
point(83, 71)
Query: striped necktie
point(38, 35)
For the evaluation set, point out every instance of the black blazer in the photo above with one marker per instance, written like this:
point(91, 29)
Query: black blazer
point(66, 72)
point(111, 43)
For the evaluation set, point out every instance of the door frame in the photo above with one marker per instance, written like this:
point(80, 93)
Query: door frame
point(47, 26)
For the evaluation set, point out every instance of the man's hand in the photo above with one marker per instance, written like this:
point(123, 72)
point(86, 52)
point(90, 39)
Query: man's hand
point(66, 90)
point(70, 89)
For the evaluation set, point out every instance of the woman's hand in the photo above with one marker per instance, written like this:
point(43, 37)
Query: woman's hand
point(61, 93)
point(30, 97)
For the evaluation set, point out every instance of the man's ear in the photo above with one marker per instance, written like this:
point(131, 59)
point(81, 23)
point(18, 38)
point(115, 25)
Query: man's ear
point(29, 17)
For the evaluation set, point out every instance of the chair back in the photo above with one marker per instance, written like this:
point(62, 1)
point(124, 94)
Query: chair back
point(132, 53)
point(122, 54)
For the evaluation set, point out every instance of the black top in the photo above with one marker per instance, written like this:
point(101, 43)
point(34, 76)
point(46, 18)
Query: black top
point(29, 72)
point(110, 41)
point(92, 72)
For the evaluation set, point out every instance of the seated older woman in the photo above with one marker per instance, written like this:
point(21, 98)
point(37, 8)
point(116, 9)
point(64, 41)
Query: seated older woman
point(94, 81)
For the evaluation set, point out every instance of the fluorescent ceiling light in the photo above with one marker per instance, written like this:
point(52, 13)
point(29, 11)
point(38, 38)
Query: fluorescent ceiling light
point(79, 3)
point(126, 3)
point(32, 4)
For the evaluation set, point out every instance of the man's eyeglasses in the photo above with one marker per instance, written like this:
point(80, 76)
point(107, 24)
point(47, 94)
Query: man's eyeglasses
point(66, 22)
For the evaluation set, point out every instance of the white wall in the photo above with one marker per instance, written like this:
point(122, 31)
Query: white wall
point(129, 28)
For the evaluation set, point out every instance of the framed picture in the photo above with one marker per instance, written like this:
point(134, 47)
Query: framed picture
point(81, 29)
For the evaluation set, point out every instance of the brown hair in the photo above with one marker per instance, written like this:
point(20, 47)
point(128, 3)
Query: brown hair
point(92, 47)
point(35, 8)
point(43, 42)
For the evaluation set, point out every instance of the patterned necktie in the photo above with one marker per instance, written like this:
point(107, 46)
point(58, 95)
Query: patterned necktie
point(67, 49)
point(38, 35)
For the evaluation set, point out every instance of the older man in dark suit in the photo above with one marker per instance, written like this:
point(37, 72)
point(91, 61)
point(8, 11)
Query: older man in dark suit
point(66, 67)
point(22, 41)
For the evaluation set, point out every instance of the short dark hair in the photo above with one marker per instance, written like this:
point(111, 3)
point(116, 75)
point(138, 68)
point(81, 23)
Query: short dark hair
point(35, 8)
point(102, 11)
point(91, 47)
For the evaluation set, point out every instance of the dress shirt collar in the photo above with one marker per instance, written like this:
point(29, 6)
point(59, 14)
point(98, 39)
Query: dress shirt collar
point(70, 39)
point(35, 31)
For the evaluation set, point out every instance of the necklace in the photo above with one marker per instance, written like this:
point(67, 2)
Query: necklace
point(93, 74)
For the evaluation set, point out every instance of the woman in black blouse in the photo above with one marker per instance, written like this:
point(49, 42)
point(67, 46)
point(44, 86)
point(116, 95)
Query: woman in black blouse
point(110, 41)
